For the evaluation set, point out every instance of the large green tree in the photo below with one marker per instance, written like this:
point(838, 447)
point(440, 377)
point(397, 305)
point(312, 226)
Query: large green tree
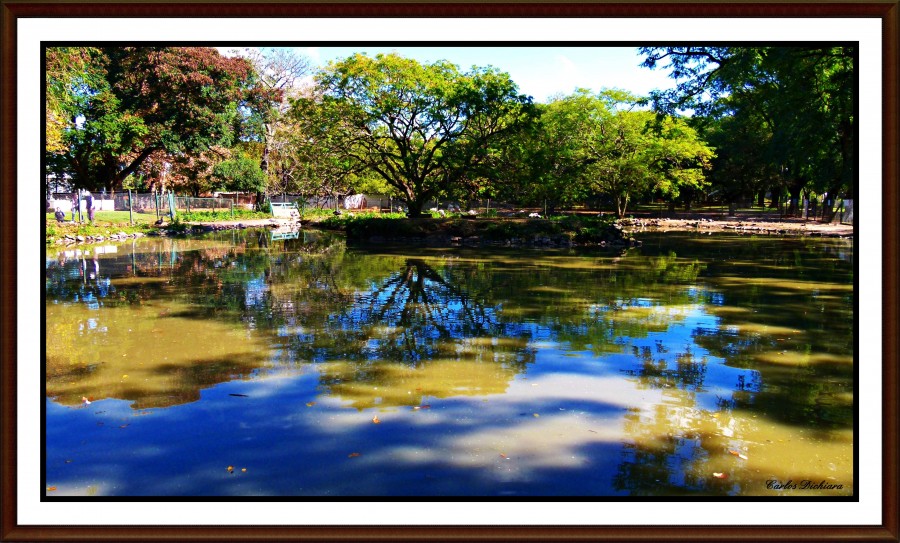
point(238, 173)
point(179, 100)
point(600, 145)
point(804, 96)
point(421, 127)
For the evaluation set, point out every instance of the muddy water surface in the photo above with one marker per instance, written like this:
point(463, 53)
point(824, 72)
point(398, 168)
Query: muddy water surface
point(241, 364)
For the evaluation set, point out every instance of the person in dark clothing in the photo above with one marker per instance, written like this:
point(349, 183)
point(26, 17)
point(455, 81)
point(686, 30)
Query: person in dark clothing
point(89, 203)
point(60, 216)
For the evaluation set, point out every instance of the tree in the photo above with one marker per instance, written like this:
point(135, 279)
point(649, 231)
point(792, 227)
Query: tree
point(805, 96)
point(743, 166)
point(173, 99)
point(318, 143)
point(279, 74)
point(553, 160)
point(600, 145)
point(68, 70)
point(192, 173)
point(239, 173)
point(420, 127)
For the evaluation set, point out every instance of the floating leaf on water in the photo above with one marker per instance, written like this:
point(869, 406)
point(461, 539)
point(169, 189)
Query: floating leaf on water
point(124, 376)
point(718, 475)
point(124, 426)
point(243, 470)
point(230, 469)
point(504, 456)
point(51, 488)
point(375, 420)
point(536, 415)
point(352, 455)
point(239, 395)
point(310, 404)
point(739, 455)
point(68, 461)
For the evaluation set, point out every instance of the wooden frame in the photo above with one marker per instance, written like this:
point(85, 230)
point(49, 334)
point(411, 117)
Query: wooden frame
point(888, 12)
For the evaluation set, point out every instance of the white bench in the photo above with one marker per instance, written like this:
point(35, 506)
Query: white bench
point(285, 210)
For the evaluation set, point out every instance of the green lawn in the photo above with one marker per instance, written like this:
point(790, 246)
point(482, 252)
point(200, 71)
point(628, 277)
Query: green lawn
point(105, 223)
point(102, 218)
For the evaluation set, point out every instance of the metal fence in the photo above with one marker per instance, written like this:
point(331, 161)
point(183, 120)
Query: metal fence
point(191, 204)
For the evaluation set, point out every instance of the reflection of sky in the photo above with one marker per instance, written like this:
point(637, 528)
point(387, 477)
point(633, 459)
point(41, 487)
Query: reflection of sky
point(289, 448)
point(256, 289)
point(559, 420)
point(562, 417)
point(718, 381)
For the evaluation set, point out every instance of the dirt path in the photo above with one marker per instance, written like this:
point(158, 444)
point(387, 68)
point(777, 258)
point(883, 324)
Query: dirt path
point(740, 222)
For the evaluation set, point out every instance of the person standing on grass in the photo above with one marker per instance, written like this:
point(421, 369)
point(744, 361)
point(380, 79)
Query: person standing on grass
point(89, 203)
point(74, 206)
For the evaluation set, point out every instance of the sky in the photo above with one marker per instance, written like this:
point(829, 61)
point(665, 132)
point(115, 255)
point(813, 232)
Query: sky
point(540, 72)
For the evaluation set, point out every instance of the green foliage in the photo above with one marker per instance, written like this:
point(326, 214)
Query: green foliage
point(239, 173)
point(134, 101)
point(791, 108)
point(422, 128)
point(341, 221)
point(590, 145)
point(68, 70)
point(223, 215)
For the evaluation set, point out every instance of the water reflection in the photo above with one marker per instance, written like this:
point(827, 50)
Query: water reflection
point(490, 372)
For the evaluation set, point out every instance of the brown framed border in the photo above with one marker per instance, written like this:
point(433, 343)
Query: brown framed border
point(887, 11)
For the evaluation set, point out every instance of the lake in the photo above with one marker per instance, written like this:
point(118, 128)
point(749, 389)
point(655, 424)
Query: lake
point(247, 363)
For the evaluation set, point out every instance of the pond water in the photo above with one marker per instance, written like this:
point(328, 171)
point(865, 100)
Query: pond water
point(240, 364)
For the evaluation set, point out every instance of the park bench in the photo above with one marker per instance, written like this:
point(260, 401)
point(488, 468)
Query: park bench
point(286, 210)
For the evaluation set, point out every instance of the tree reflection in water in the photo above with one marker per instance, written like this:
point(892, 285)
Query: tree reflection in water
point(736, 343)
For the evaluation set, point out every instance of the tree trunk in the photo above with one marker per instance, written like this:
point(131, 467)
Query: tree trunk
point(414, 208)
point(621, 205)
point(761, 199)
point(776, 199)
point(828, 208)
point(794, 205)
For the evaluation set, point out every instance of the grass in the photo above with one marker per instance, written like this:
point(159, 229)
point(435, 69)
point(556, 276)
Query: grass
point(105, 223)
point(224, 215)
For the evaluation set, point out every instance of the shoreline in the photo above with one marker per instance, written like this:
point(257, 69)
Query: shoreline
point(741, 224)
point(749, 225)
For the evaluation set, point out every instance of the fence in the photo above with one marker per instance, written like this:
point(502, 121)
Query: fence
point(387, 204)
point(154, 204)
point(191, 204)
